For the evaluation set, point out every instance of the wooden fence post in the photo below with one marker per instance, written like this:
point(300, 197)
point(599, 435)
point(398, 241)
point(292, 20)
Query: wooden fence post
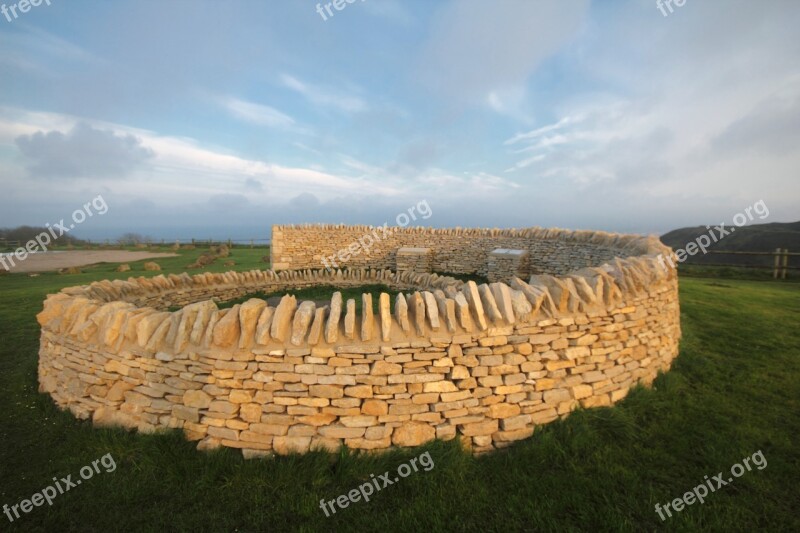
point(776, 270)
point(785, 268)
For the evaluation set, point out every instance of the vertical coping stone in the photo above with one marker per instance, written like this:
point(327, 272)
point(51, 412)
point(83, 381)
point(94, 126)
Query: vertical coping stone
point(263, 325)
point(316, 326)
point(249, 313)
point(367, 319)
point(489, 304)
point(350, 320)
point(385, 311)
point(432, 310)
point(418, 308)
point(401, 312)
point(502, 297)
point(474, 300)
point(302, 319)
point(282, 318)
point(332, 328)
point(462, 311)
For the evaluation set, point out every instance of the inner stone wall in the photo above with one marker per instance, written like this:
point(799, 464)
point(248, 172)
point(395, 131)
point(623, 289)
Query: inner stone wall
point(445, 359)
point(458, 251)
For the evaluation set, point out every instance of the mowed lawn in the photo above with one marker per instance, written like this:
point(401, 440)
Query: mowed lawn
point(734, 390)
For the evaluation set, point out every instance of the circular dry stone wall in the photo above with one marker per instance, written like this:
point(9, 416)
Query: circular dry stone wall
point(443, 359)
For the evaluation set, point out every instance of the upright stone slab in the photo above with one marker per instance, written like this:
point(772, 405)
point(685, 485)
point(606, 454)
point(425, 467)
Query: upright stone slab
point(315, 333)
point(432, 310)
point(401, 312)
point(367, 316)
point(283, 316)
point(332, 329)
point(302, 319)
point(350, 320)
point(384, 308)
point(263, 325)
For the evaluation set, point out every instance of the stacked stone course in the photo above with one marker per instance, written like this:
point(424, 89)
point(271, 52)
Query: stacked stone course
point(446, 359)
point(506, 264)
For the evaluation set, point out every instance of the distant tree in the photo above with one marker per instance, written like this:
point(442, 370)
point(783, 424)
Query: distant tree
point(23, 234)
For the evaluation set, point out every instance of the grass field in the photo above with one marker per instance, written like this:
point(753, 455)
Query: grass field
point(734, 390)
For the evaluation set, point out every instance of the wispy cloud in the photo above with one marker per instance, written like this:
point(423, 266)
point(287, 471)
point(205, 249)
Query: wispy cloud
point(260, 114)
point(538, 132)
point(392, 10)
point(476, 48)
point(324, 96)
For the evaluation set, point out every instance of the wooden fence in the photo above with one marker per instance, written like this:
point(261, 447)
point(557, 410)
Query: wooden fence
point(11, 245)
point(780, 265)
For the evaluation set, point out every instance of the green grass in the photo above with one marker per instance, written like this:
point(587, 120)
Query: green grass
point(477, 278)
point(731, 272)
point(734, 390)
point(320, 293)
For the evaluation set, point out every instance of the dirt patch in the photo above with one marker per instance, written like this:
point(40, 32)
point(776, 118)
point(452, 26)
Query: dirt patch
point(45, 262)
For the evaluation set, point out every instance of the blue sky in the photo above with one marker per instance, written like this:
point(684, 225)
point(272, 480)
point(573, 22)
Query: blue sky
point(219, 119)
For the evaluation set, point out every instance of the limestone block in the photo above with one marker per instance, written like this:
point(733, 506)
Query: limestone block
point(285, 445)
point(413, 434)
point(196, 398)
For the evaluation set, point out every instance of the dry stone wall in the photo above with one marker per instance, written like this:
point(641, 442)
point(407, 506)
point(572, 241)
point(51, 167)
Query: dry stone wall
point(444, 359)
point(457, 250)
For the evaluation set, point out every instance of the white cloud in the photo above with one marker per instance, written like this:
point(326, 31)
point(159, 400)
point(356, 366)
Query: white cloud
point(83, 151)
